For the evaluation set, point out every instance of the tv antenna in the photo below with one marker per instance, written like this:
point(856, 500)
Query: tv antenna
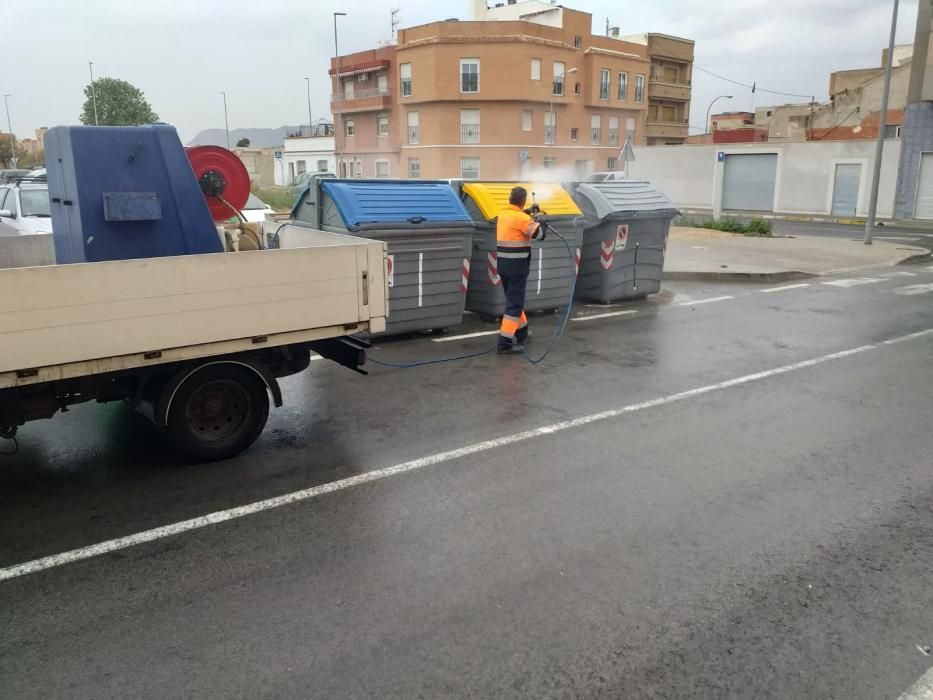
point(394, 14)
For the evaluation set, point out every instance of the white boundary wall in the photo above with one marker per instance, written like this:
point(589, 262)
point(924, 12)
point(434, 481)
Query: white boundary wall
point(692, 175)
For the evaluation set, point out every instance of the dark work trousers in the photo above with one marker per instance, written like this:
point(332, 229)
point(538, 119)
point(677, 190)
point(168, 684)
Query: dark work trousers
point(514, 275)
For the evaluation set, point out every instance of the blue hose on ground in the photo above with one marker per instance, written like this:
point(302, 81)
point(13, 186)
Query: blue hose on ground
point(555, 337)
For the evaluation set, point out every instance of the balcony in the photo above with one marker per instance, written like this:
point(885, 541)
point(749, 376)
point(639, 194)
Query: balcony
point(663, 129)
point(469, 133)
point(371, 100)
point(668, 91)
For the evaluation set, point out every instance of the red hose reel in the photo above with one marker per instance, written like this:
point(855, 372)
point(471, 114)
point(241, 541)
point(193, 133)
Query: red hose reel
point(223, 180)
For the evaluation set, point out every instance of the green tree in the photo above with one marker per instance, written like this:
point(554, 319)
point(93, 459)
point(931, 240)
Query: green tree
point(6, 151)
point(118, 104)
point(242, 143)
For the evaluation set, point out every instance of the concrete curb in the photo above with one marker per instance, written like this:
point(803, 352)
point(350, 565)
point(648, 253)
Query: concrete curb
point(793, 217)
point(698, 276)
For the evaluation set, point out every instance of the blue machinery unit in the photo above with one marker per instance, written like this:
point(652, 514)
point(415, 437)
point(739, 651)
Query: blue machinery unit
point(120, 193)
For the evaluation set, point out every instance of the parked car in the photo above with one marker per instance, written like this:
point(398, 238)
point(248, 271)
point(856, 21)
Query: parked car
point(301, 182)
point(255, 210)
point(10, 175)
point(606, 176)
point(25, 208)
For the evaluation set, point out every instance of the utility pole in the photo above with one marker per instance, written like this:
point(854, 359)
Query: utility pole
point(90, 65)
point(226, 124)
point(9, 125)
point(338, 133)
point(310, 128)
point(882, 127)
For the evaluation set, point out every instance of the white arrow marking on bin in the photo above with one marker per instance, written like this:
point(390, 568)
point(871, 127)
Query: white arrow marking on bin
point(465, 276)
point(492, 269)
point(576, 263)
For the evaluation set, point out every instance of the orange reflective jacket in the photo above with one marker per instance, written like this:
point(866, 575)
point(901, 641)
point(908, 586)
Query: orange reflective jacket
point(514, 232)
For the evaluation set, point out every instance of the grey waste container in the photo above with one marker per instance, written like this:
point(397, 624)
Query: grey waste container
point(552, 271)
point(624, 239)
point(428, 233)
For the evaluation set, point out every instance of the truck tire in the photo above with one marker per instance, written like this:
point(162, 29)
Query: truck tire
point(217, 412)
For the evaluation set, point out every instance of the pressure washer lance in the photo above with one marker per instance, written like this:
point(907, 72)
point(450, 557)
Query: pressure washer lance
point(555, 337)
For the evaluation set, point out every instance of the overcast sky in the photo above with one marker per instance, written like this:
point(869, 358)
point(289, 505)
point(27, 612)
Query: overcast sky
point(182, 53)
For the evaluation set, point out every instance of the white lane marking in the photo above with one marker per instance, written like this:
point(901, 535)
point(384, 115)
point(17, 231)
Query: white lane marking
point(853, 282)
point(705, 301)
point(314, 358)
point(905, 338)
point(464, 336)
point(627, 312)
point(921, 690)
point(899, 238)
point(222, 516)
point(785, 288)
point(892, 275)
point(914, 290)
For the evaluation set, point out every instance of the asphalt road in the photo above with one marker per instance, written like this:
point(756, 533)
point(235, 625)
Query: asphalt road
point(728, 493)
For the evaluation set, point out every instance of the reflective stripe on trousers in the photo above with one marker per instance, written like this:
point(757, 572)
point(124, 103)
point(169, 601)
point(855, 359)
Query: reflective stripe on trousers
point(514, 273)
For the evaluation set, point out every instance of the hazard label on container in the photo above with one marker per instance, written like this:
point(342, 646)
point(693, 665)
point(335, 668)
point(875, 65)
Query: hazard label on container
point(390, 270)
point(621, 236)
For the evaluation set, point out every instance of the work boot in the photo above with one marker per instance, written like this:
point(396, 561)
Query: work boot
point(508, 349)
point(523, 336)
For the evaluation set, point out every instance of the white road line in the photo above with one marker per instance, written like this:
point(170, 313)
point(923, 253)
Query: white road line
point(314, 358)
point(785, 288)
point(921, 690)
point(704, 301)
point(853, 282)
point(899, 238)
point(914, 290)
point(627, 312)
point(463, 337)
point(222, 516)
point(902, 273)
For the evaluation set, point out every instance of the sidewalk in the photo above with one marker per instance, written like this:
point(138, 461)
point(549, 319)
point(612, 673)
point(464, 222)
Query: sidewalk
point(701, 254)
point(918, 224)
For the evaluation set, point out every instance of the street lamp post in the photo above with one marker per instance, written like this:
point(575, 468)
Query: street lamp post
point(9, 125)
point(90, 66)
point(226, 123)
point(338, 133)
point(308, 81)
point(709, 127)
point(562, 77)
point(882, 126)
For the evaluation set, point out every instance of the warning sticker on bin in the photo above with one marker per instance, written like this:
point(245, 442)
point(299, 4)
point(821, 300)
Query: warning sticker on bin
point(621, 236)
point(390, 270)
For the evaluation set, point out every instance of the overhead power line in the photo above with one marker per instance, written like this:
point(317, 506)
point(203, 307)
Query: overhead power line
point(753, 87)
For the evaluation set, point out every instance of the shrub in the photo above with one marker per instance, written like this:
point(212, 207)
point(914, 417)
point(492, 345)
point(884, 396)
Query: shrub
point(755, 227)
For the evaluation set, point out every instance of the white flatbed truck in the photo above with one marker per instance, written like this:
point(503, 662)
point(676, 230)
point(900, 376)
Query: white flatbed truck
point(195, 342)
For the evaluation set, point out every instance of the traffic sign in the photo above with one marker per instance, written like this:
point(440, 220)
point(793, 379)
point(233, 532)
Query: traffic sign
point(278, 154)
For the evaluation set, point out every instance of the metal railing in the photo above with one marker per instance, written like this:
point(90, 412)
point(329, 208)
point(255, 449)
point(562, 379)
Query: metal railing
point(613, 137)
point(595, 136)
point(558, 88)
point(469, 133)
point(413, 134)
point(360, 94)
point(550, 135)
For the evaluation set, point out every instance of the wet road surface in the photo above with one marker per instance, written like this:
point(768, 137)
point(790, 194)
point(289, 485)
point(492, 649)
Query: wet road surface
point(766, 537)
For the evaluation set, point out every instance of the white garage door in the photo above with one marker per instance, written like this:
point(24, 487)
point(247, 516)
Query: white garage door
point(924, 207)
point(748, 182)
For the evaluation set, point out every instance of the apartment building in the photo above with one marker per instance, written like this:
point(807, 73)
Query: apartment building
point(517, 89)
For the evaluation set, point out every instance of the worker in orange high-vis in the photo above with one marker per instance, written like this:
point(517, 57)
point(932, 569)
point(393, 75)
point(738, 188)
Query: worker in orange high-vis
point(515, 230)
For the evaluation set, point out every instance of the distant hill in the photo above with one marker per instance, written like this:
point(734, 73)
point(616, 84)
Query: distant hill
point(258, 138)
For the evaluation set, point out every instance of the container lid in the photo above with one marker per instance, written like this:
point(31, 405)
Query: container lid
point(493, 197)
point(395, 201)
point(614, 196)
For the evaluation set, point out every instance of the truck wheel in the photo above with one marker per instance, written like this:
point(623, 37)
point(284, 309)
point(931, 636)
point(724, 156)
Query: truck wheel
point(218, 412)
